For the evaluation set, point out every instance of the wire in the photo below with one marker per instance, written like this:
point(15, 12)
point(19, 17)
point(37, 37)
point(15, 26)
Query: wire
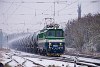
point(13, 12)
point(24, 2)
point(68, 5)
point(47, 9)
point(8, 9)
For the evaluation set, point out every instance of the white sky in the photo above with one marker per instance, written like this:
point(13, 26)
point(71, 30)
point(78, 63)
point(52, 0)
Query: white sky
point(20, 15)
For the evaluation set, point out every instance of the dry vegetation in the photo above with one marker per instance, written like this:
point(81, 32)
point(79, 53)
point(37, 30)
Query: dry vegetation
point(84, 34)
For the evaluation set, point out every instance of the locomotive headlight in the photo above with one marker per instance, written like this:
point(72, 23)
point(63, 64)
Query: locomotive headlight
point(60, 44)
point(49, 44)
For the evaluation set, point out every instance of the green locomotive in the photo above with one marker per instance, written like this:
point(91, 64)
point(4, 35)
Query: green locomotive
point(51, 40)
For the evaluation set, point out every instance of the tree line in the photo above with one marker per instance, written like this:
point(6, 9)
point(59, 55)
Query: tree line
point(84, 34)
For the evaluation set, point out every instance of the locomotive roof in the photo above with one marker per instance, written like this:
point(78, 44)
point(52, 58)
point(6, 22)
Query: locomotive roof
point(44, 30)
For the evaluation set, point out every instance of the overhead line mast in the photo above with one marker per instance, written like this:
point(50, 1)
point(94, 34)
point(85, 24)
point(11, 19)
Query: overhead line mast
point(79, 9)
point(54, 12)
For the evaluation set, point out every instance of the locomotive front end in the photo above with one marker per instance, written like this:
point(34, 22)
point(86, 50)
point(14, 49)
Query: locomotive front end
point(55, 44)
point(51, 41)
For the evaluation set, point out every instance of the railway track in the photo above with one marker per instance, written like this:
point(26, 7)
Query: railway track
point(66, 59)
point(62, 58)
point(24, 61)
point(87, 60)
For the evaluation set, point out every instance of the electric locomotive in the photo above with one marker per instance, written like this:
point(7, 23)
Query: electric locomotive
point(49, 41)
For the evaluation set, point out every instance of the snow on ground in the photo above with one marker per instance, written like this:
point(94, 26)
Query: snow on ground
point(18, 59)
point(13, 58)
point(49, 62)
point(45, 62)
point(89, 60)
point(29, 64)
point(83, 59)
point(13, 64)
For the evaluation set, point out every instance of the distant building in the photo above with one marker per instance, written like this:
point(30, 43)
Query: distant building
point(1, 38)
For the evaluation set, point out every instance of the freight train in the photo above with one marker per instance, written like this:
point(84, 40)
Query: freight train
point(49, 41)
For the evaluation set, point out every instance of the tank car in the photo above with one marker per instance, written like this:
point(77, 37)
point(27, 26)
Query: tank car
point(49, 41)
point(26, 43)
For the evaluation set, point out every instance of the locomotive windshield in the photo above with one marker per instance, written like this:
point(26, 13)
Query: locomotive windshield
point(59, 33)
point(51, 33)
point(54, 33)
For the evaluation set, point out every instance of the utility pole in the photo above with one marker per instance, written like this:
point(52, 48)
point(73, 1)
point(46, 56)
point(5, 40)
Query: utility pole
point(1, 38)
point(27, 30)
point(7, 41)
point(54, 12)
point(79, 9)
point(35, 12)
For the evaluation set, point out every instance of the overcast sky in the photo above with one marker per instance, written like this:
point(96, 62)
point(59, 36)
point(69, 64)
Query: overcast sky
point(20, 15)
